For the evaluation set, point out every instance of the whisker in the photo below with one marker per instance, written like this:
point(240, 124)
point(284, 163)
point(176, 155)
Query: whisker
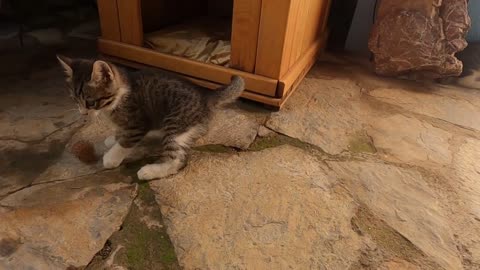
point(74, 109)
point(102, 119)
point(97, 121)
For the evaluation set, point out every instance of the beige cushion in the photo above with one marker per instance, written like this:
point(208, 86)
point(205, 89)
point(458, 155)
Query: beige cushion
point(203, 40)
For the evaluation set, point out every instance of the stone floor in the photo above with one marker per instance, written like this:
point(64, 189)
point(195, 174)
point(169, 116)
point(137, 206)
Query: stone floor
point(355, 172)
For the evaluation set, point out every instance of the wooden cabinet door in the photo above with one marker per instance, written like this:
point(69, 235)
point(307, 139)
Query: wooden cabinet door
point(108, 13)
point(131, 23)
point(245, 26)
point(288, 29)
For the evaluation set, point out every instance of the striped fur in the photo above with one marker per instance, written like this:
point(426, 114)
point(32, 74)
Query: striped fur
point(144, 101)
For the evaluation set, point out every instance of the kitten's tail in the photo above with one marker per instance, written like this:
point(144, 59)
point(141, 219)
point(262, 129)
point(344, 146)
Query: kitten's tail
point(229, 93)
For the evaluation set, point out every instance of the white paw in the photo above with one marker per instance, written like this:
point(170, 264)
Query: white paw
point(153, 171)
point(112, 160)
point(114, 157)
point(109, 141)
point(147, 172)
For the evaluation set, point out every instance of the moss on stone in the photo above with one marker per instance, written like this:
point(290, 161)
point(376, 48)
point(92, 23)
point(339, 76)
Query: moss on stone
point(146, 244)
point(262, 143)
point(361, 144)
point(148, 248)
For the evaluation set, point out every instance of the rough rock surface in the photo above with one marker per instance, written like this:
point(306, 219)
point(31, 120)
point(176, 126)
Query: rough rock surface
point(285, 212)
point(419, 37)
point(456, 24)
point(398, 264)
point(467, 167)
point(22, 163)
point(30, 116)
point(356, 172)
point(233, 127)
point(142, 242)
point(403, 199)
point(265, 132)
point(457, 106)
point(420, 142)
point(56, 212)
point(325, 113)
point(42, 230)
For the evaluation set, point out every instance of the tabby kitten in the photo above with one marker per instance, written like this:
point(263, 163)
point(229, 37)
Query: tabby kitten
point(139, 102)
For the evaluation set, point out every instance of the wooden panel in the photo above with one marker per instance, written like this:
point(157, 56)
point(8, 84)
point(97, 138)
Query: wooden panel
point(271, 37)
point(314, 19)
point(107, 10)
point(259, 84)
point(293, 21)
point(294, 76)
point(307, 20)
point(130, 18)
point(276, 102)
point(245, 25)
point(301, 27)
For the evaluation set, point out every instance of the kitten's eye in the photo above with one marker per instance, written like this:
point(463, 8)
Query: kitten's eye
point(91, 103)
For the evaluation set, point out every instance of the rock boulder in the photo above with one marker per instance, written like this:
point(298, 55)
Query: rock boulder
point(419, 38)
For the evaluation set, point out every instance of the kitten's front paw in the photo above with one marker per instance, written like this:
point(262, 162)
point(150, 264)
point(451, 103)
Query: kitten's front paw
point(112, 160)
point(147, 172)
point(155, 171)
point(110, 141)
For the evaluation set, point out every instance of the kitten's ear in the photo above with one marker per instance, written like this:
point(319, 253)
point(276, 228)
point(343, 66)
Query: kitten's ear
point(66, 64)
point(102, 71)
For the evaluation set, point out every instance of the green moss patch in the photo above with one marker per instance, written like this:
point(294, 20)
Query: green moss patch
point(361, 144)
point(143, 237)
point(276, 140)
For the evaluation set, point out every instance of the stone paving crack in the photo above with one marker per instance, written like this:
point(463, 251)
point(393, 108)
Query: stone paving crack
point(59, 180)
point(7, 138)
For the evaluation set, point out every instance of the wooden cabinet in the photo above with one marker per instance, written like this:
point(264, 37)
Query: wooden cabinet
point(273, 42)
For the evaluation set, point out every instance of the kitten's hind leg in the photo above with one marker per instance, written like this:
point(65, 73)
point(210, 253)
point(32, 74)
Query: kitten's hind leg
point(173, 159)
point(174, 155)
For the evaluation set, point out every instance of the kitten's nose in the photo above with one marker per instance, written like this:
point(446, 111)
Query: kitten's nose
point(83, 111)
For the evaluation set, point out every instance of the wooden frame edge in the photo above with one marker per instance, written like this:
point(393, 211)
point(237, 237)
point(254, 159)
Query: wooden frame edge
point(256, 83)
point(272, 101)
point(130, 21)
point(275, 102)
point(245, 32)
point(272, 33)
point(293, 77)
point(108, 17)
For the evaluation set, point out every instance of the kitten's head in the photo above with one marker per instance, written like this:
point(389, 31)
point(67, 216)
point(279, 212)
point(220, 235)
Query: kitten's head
point(94, 85)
